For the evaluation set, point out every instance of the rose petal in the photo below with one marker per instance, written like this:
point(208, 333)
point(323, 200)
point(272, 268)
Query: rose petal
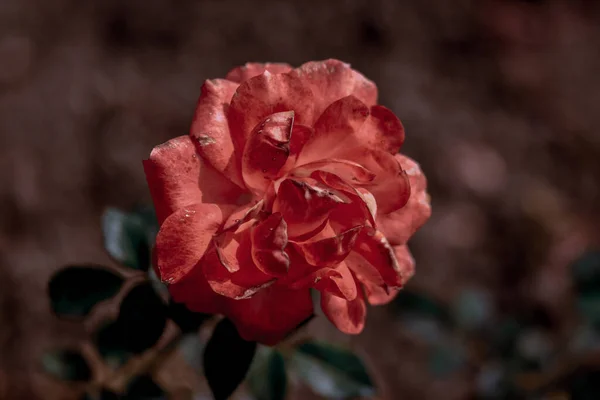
point(348, 316)
point(267, 150)
point(250, 70)
point(336, 130)
point(194, 291)
point(375, 249)
point(347, 170)
point(172, 172)
point(330, 80)
point(346, 216)
point(271, 314)
point(329, 251)
point(391, 187)
point(210, 128)
point(400, 225)
point(303, 206)
point(229, 268)
point(242, 215)
point(382, 130)
point(263, 95)
point(337, 280)
point(183, 239)
point(269, 239)
point(300, 135)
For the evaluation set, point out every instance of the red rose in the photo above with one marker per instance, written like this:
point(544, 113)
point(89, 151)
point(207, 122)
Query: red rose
point(289, 180)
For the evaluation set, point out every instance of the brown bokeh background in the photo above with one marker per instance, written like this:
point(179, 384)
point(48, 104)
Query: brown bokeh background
point(499, 100)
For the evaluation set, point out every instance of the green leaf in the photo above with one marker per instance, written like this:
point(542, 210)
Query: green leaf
point(267, 379)
point(128, 237)
point(75, 290)
point(144, 388)
point(141, 322)
point(227, 358)
point(332, 372)
point(68, 365)
point(188, 321)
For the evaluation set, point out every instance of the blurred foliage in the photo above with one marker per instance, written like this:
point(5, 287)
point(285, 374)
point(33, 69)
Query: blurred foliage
point(75, 290)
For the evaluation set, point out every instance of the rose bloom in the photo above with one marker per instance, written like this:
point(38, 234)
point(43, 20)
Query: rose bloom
point(289, 180)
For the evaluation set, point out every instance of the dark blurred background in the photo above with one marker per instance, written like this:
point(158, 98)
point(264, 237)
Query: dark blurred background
point(500, 104)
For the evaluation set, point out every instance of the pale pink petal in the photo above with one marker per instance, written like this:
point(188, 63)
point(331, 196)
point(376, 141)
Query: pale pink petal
point(183, 239)
point(250, 70)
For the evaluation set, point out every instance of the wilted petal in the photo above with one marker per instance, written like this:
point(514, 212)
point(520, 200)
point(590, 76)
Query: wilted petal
point(263, 95)
point(400, 225)
point(210, 128)
point(250, 70)
point(267, 150)
point(183, 239)
point(304, 206)
point(348, 316)
point(336, 130)
point(330, 80)
point(269, 239)
point(271, 314)
point(300, 135)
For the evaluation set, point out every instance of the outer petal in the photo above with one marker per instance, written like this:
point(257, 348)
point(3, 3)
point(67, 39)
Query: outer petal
point(263, 95)
point(210, 128)
point(348, 316)
point(391, 187)
point(173, 173)
point(250, 70)
point(271, 314)
point(304, 206)
point(330, 80)
point(336, 130)
point(267, 150)
point(376, 290)
point(383, 130)
point(375, 249)
point(400, 225)
point(269, 239)
point(183, 239)
point(194, 291)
